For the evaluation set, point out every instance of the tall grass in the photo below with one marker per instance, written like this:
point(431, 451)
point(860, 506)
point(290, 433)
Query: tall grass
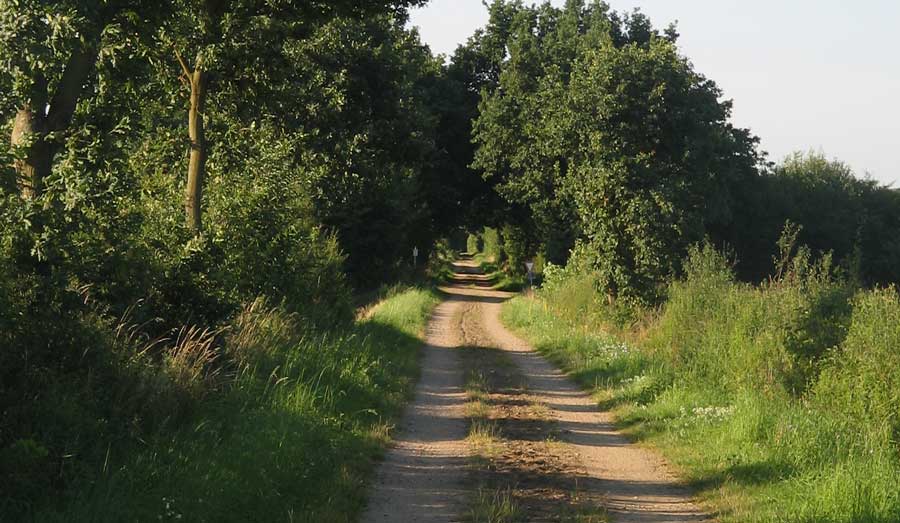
point(285, 427)
point(778, 402)
point(495, 506)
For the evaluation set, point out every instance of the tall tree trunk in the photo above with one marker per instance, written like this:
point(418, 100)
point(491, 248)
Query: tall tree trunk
point(39, 116)
point(197, 163)
point(33, 165)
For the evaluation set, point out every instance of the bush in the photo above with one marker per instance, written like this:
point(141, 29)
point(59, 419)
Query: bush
point(861, 378)
point(492, 245)
point(515, 246)
point(473, 244)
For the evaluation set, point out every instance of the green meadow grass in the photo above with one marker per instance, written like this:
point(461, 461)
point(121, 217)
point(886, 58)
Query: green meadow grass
point(293, 436)
point(747, 390)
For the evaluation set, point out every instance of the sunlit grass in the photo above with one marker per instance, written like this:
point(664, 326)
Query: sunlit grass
point(700, 386)
point(495, 506)
point(582, 511)
point(483, 436)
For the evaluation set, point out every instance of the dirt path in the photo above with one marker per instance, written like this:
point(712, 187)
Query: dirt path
point(556, 445)
point(422, 477)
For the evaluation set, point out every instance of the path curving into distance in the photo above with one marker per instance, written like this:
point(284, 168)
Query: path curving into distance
point(427, 475)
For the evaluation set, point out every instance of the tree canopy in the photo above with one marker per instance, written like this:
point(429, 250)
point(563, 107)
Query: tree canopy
point(601, 129)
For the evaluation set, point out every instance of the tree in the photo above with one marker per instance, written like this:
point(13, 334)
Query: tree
point(461, 196)
point(50, 49)
point(369, 141)
point(519, 153)
point(849, 217)
point(216, 30)
point(604, 132)
point(658, 161)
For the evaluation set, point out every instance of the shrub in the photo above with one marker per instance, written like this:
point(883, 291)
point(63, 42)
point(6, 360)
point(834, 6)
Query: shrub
point(493, 245)
point(473, 244)
point(861, 378)
point(515, 247)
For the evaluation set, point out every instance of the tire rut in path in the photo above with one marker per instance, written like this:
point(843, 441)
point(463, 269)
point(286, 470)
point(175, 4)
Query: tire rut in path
point(424, 476)
point(518, 453)
point(635, 484)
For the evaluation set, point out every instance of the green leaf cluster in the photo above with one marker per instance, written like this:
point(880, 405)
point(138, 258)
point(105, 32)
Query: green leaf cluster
point(603, 131)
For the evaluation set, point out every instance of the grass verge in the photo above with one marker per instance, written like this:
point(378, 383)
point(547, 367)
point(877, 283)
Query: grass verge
point(291, 436)
point(710, 380)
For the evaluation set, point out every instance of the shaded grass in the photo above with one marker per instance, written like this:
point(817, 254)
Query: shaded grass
point(293, 438)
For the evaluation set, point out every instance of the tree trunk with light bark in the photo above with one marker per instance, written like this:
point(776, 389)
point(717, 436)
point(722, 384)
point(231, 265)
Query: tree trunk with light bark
point(34, 160)
point(41, 115)
point(196, 81)
point(193, 196)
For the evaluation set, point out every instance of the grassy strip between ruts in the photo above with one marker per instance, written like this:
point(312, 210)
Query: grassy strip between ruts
point(491, 503)
point(292, 438)
point(521, 471)
point(753, 453)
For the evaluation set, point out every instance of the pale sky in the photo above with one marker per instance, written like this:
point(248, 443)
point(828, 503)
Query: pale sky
point(819, 75)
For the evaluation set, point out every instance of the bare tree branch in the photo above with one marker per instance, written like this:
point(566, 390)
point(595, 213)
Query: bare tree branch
point(184, 67)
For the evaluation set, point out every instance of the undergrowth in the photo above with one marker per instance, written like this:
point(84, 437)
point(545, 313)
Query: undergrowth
point(284, 423)
point(500, 256)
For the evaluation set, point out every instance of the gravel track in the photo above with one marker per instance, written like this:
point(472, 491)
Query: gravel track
point(425, 476)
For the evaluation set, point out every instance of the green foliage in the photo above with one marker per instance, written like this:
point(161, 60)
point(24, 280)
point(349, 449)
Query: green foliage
point(473, 243)
point(516, 248)
point(260, 220)
point(369, 149)
point(590, 129)
point(860, 378)
point(117, 323)
point(641, 200)
point(492, 245)
point(326, 392)
point(25, 469)
point(136, 353)
point(851, 218)
point(439, 267)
